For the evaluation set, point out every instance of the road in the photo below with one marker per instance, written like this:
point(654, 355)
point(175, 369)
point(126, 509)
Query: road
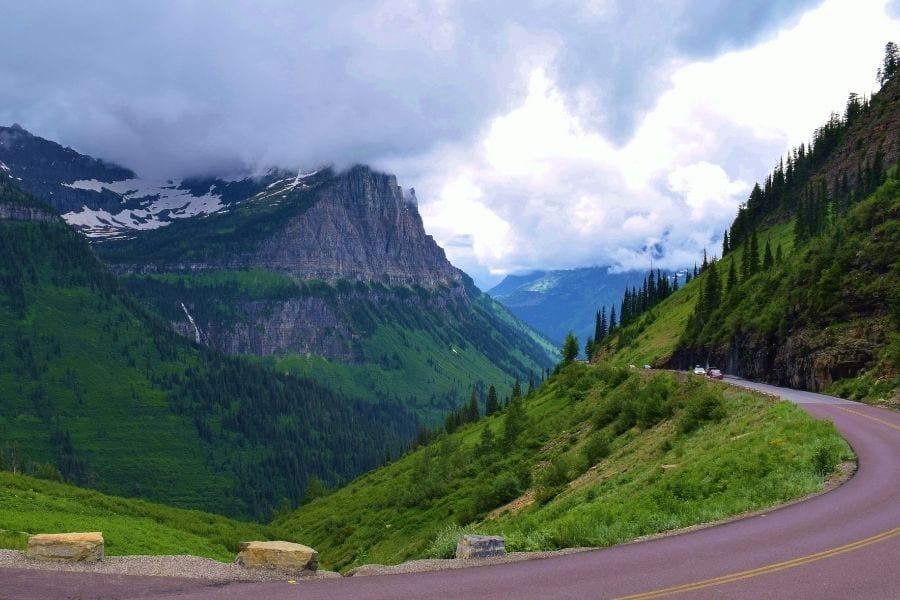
point(839, 545)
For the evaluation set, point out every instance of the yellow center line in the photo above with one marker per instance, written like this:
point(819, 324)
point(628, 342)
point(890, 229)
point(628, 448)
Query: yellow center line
point(780, 566)
point(861, 414)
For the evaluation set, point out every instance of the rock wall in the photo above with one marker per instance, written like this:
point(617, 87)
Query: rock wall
point(15, 212)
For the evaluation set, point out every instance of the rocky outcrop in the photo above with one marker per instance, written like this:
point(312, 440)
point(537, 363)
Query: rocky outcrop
point(362, 227)
point(277, 555)
point(15, 212)
point(480, 546)
point(808, 359)
point(69, 547)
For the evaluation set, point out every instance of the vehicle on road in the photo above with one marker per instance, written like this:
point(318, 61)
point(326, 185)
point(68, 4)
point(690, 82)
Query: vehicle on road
point(698, 370)
point(714, 373)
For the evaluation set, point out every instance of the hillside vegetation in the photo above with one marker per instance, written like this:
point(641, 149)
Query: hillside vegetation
point(806, 291)
point(98, 391)
point(410, 344)
point(29, 506)
point(595, 456)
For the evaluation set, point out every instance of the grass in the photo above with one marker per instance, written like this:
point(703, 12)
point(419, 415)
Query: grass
point(606, 455)
point(29, 506)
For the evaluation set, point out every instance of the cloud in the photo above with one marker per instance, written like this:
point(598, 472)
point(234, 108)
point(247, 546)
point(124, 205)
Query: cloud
point(547, 133)
point(570, 195)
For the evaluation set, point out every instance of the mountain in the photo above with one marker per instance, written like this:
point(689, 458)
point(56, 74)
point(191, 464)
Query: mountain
point(556, 302)
point(97, 390)
point(807, 294)
point(329, 275)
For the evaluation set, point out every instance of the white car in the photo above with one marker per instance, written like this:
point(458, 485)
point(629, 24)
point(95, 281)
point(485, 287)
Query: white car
point(698, 370)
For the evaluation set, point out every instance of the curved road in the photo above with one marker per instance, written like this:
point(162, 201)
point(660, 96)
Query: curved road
point(840, 545)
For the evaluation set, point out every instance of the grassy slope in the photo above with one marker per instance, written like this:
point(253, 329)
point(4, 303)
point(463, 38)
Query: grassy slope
point(412, 349)
point(96, 390)
point(29, 506)
point(760, 454)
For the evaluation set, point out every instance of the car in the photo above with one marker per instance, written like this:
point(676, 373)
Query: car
point(714, 373)
point(698, 370)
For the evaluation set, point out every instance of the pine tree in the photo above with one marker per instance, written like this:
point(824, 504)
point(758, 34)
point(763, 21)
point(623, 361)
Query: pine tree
point(492, 405)
point(778, 255)
point(754, 253)
point(600, 325)
point(768, 261)
point(570, 348)
point(725, 247)
point(890, 63)
point(711, 291)
point(472, 408)
point(612, 319)
point(515, 422)
point(589, 347)
point(732, 276)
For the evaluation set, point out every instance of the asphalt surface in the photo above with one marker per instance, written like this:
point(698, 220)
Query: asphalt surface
point(840, 545)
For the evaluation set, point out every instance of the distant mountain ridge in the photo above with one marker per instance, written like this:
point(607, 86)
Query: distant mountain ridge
point(556, 302)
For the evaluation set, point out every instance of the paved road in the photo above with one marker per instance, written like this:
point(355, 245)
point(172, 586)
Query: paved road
point(840, 545)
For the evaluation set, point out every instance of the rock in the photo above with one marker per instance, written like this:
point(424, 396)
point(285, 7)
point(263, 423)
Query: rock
point(84, 547)
point(480, 546)
point(277, 555)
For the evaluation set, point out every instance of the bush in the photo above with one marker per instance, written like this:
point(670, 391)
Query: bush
point(704, 405)
point(596, 447)
point(825, 459)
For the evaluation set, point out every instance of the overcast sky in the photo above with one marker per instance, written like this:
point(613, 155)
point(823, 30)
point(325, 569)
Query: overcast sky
point(542, 134)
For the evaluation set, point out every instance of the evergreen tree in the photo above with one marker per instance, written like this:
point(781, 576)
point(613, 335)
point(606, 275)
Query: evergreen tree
point(589, 347)
point(570, 348)
point(492, 405)
point(472, 408)
point(711, 291)
point(890, 63)
point(732, 276)
point(516, 390)
point(485, 443)
point(600, 325)
point(725, 247)
point(768, 260)
point(754, 253)
point(515, 422)
point(612, 319)
point(778, 255)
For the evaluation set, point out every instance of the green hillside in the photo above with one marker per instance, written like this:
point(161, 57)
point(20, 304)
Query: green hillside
point(595, 456)
point(410, 345)
point(98, 391)
point(29, 506)
point(806, 293)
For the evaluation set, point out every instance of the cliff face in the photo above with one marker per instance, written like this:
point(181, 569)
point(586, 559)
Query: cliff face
point(16, 212)
point(361, 227)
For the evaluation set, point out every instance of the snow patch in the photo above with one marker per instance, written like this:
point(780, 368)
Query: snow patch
point(4, 167)
point(160, 202)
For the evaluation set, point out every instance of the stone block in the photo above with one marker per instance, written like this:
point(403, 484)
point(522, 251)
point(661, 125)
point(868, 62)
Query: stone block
point(480, 546)
point(71, 547)
point(277, 555)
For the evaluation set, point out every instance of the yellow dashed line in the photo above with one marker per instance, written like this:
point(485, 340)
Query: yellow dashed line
point(788, 564)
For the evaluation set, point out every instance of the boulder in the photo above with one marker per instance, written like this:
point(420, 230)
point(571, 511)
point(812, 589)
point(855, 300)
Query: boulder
point(277, 555)
point(84, 547)
point(480, 546)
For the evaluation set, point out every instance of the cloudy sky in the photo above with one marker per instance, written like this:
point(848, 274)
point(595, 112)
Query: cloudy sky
point(541, 134)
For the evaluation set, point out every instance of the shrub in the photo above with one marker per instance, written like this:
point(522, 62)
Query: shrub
point(596, 447)
point(704, 405)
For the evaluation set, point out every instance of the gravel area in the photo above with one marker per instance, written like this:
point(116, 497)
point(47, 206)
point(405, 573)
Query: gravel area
point(192, 567)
